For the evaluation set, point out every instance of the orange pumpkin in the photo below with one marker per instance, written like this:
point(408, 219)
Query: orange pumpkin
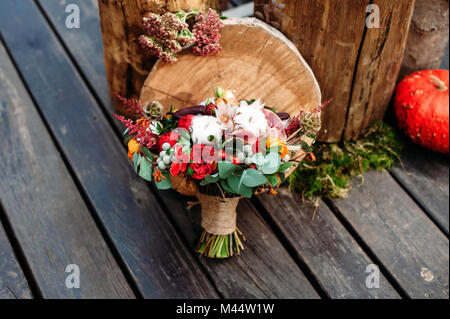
point(422, 108)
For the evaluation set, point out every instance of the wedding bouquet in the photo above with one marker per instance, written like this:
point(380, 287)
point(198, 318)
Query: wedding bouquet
point(221, 150)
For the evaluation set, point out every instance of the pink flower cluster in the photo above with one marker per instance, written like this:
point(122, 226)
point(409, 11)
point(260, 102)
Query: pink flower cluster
point(165, 35)
point(206, 32)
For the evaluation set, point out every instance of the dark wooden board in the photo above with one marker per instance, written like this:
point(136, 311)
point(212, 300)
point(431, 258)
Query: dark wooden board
point(425, 176)
point(252, 277)
point(13, 284)
point(333, 256)
point(146, 242)
point(403, 238)
point(88, 51)
point(263, 270)
point(43, 206)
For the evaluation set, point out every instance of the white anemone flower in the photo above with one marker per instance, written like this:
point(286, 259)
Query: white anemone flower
point(225, 114)
point(251, 118)
point(203, 127)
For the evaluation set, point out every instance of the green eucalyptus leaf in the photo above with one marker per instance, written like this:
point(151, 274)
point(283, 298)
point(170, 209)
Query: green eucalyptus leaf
point(146, 170)
point(164, 183)
point(235, 183)
point(285, 166)
point(147, 153)
point(271, 163)
point(227, 168)
point(253, 178)
point(258, 159)
point(209, 179)
point(226, 187)
point(273, 180)
point(136, 161)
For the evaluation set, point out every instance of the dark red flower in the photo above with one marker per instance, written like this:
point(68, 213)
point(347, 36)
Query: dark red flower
point(185, 121)
point(181, 161)
point(201, 170)
point(170, 138)
point(204, 154)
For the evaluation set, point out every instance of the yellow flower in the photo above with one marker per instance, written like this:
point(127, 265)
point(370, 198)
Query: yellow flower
point(133, 147)
point(278, 143)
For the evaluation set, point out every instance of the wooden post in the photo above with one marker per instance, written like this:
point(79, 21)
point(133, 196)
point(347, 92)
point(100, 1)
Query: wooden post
point(121, 20)
point(428, 36)
point(356, 65)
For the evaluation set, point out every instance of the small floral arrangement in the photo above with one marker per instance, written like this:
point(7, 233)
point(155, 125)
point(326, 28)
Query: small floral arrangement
point(169, 33)
point(225, 149)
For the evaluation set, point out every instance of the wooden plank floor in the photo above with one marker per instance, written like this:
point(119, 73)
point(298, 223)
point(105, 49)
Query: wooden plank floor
point(69, 196)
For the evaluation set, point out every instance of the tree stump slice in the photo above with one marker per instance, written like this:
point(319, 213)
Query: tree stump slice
point(125, 62)
point(257, 61)
point(355, 65)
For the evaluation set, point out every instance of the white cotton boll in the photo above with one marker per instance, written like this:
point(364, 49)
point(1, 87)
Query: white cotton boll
point(251, 119)
point(202, 127)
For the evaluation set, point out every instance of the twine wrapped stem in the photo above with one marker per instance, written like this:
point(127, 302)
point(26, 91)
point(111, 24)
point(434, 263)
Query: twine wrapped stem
point(221, 237)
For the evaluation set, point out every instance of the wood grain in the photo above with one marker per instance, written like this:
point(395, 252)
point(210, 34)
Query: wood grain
point(47, 214)
point(256, 61)
point(121, 21)
point(398, 232)
point(425, 176)
point(263, 270)
point(86, 52)
point(13, 284)
point(378, 67)
point(427, 37)
point(150, 249)
point(333, 38)
point(332, 255)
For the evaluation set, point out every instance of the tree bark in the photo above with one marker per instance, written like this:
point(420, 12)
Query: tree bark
point(428, 36)
point(356, 65)
point(121, 21)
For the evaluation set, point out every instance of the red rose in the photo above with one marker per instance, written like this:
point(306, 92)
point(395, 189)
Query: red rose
point(181, 161)
point(201, 170)
point(170, 138)
point(203, 154)
point(185, 121)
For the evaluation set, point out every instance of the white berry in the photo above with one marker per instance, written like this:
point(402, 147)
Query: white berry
point(248, 149)
point(241, 156)
point(161, 165)
point(167, 160)
point(166, 146)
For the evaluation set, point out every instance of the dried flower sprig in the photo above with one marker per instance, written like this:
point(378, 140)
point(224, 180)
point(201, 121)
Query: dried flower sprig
point(166, 34)
point(139, 131)
point(132, 104)
point(169, 33)
point(206, 32)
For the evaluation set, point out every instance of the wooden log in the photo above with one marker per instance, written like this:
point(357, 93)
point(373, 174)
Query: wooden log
point(121, 21)
point(428, 36)
point(356, 65)
point(257, 61)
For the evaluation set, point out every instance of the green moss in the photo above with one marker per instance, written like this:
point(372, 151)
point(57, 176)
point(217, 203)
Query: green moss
point(336, 164)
